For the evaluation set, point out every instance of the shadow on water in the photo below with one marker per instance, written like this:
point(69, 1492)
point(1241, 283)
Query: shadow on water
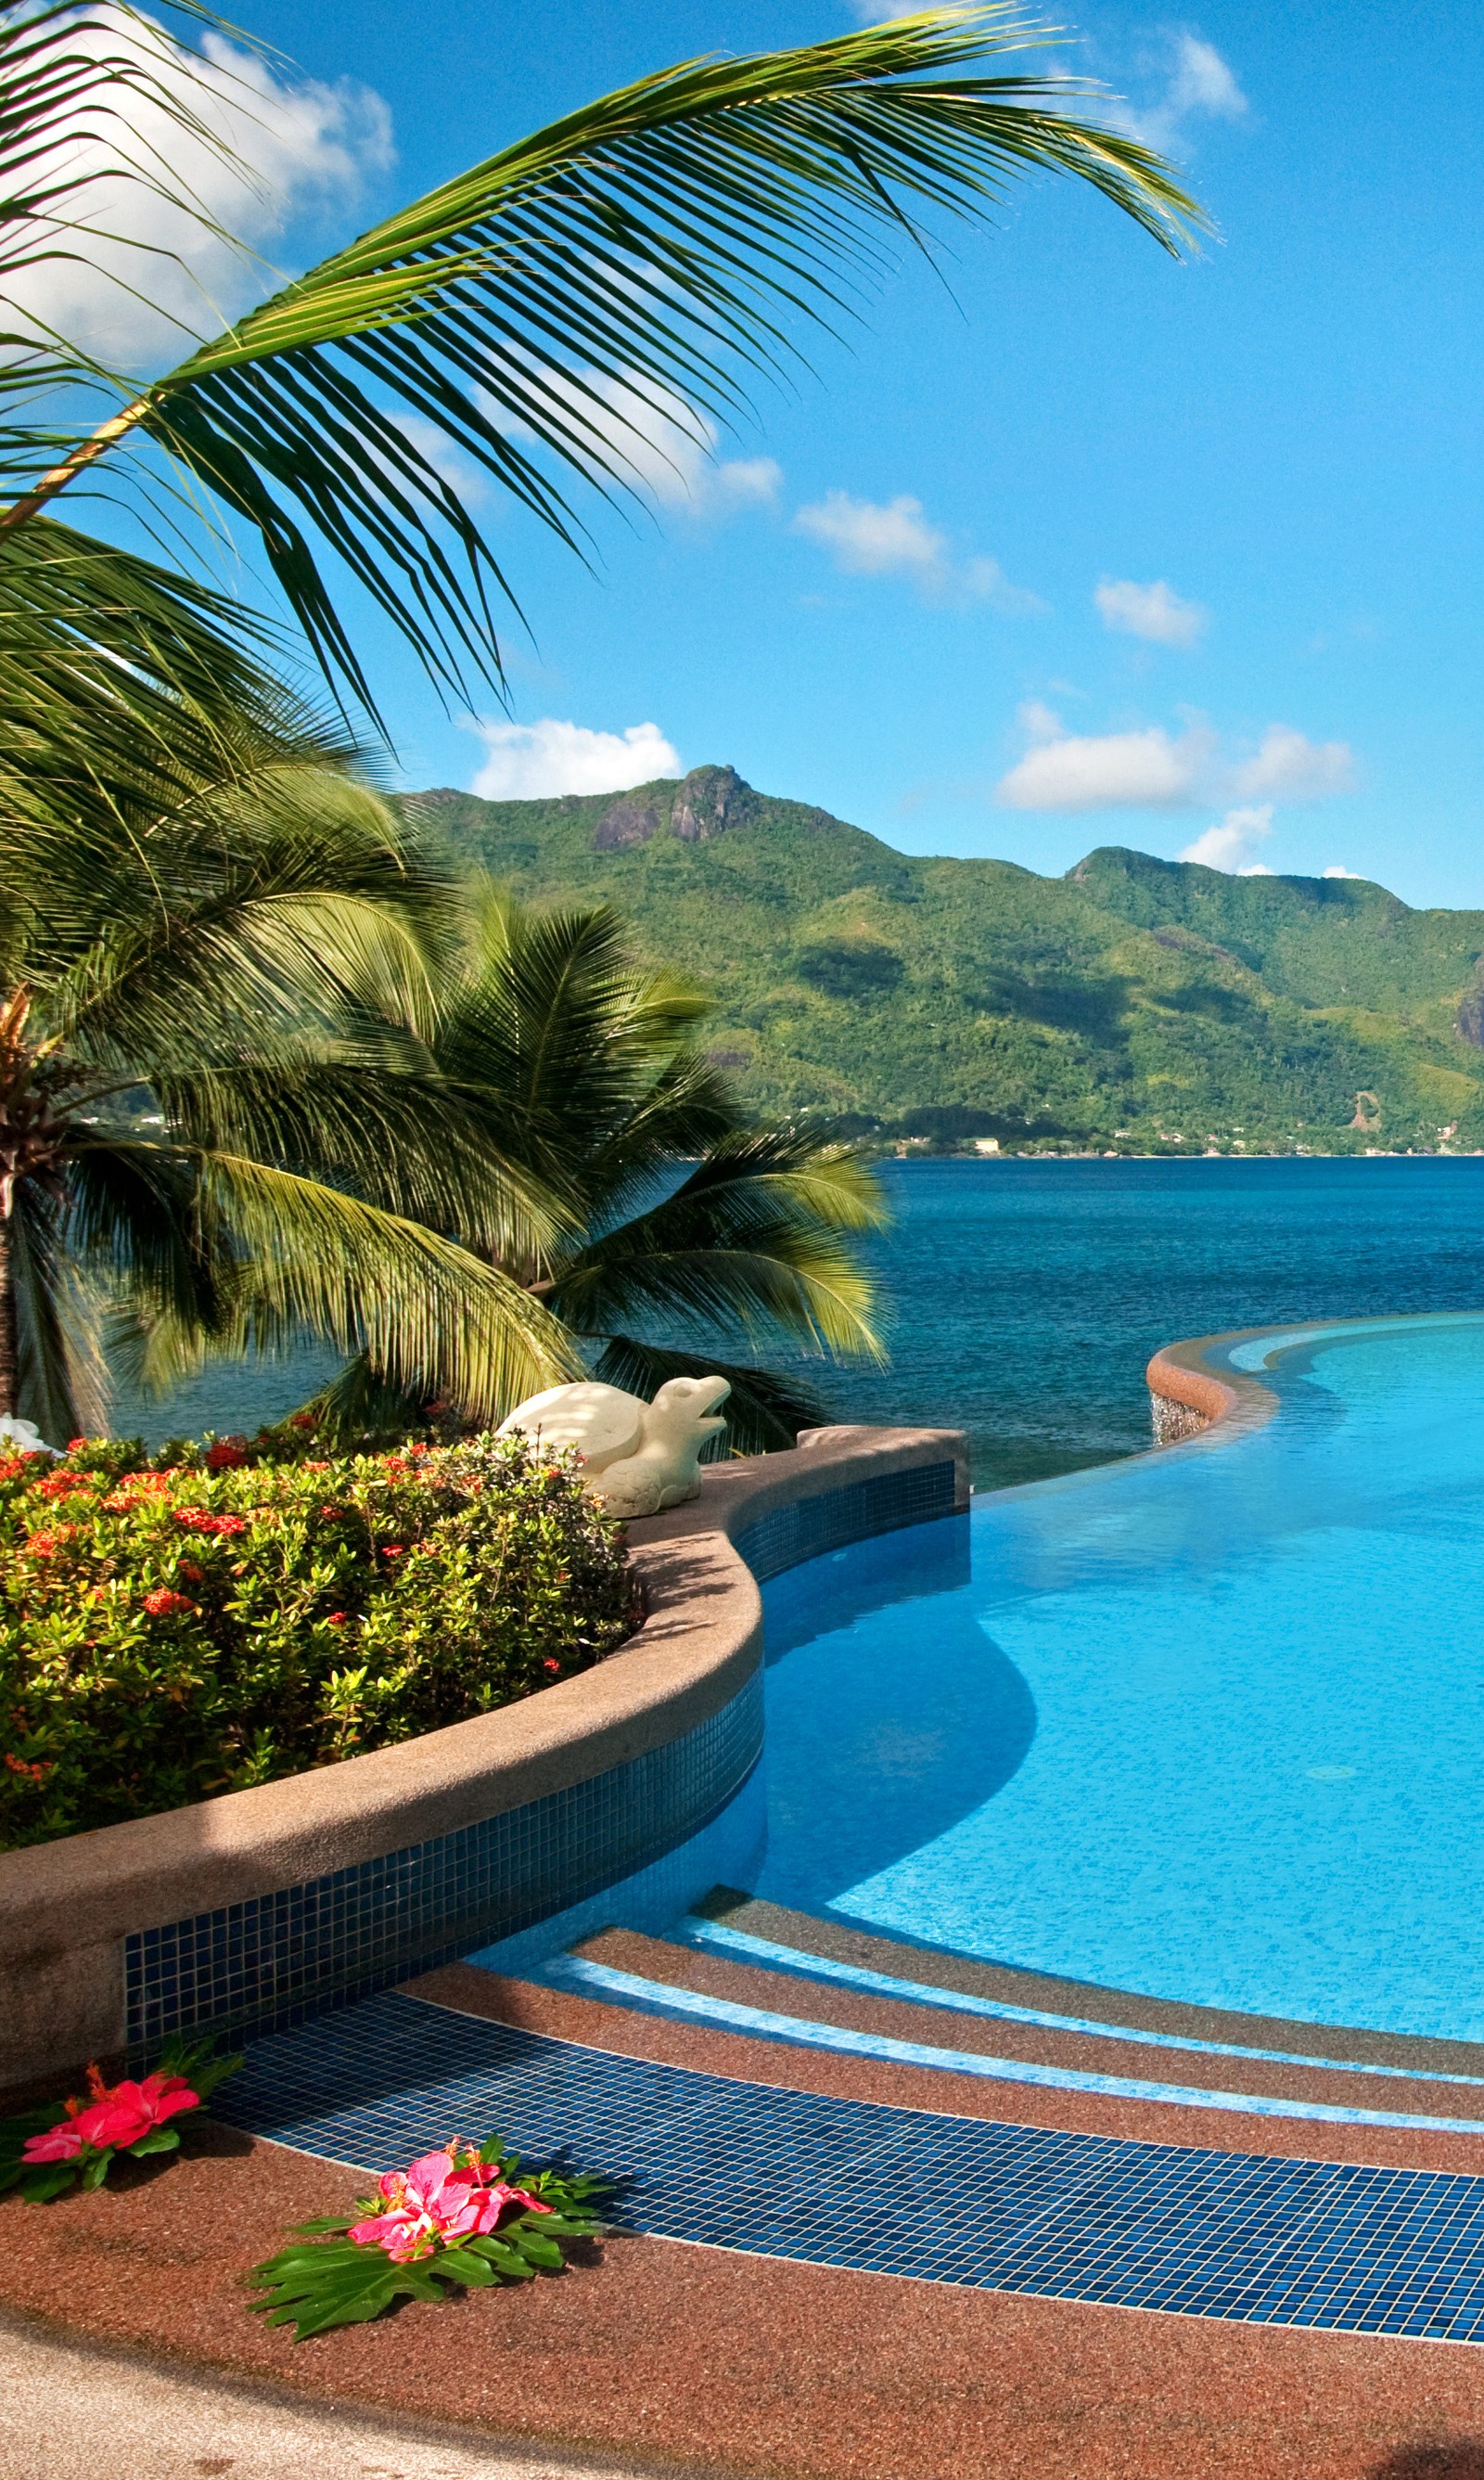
point(883, 1731)
point(836, 1590)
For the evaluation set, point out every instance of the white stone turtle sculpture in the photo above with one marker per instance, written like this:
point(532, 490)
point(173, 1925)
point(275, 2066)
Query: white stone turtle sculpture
point(637, 1458)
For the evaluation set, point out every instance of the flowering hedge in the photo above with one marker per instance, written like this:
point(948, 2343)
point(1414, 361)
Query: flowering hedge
point(211, 1618)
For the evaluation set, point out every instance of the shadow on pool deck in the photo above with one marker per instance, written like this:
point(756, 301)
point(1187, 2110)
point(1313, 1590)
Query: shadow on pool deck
point(1447, 2457)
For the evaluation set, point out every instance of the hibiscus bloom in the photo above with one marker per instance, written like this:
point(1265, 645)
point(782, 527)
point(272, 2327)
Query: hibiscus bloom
point(437, 2202)
point(118, 2114)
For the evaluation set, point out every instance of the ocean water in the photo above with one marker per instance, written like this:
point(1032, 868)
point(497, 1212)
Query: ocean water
point(1027, 1296)
point(1024, 1297)
point(1208, 1725)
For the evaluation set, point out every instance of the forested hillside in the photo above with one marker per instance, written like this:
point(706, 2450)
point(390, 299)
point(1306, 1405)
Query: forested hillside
point(1133, 1001)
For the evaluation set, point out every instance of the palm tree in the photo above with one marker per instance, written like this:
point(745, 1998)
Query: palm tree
point(203, 1117)
point(677, 1215)
point(203, 907)
point(545, 310)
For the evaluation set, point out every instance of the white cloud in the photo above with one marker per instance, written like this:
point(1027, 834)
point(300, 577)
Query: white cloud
point(1229, 845)
point(1295, 768)
point(1336, 870)
point(152, 276)
point(665, 447)
point(870, 539)
point(1197, 83)
point(1156, 770)
point(894, 538)
point(1063, 770)
point(1202, 81)
point(525, 761)
point(1153, 611)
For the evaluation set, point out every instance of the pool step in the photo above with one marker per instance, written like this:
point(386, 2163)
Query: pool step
point(682, 1977)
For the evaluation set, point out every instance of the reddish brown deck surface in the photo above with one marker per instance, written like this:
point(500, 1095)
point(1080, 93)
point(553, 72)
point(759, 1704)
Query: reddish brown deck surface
point(749, 2365)
point(703, 2358)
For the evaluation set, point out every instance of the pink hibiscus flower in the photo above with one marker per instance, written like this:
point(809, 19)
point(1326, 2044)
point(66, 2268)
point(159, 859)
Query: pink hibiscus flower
point(118, 2114)
point(437, 2202)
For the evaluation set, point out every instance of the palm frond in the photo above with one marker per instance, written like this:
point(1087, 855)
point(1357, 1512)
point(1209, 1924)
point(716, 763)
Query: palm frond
point(427, 1314)
point(282, 896)
point(756, 1240)
point(764, 1412)
point(62, 1384)
point(71, 79)
point(386, 1128)
point(615, 272)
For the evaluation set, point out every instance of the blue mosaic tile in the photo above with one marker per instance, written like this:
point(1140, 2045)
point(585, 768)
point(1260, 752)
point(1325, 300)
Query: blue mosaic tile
point(1263, 2241)
point(275, 1959)
point(809, 1527)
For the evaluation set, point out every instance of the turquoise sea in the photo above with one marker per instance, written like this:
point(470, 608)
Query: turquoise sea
point(1026, 1295)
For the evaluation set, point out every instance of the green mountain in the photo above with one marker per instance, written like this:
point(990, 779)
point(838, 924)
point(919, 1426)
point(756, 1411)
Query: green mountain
point(953, 998)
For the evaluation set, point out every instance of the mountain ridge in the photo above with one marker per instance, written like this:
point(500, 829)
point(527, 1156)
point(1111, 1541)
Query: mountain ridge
point(1132, 998)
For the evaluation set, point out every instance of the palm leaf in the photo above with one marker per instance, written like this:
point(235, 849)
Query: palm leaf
point(756, 1239)
point(639, 255)
point(71, 81)
point(765, 1410)
point(427, 1314)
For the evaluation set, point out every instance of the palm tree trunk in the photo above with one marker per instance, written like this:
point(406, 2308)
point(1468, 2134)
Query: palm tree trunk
point(9, 1332)
point(86, 454)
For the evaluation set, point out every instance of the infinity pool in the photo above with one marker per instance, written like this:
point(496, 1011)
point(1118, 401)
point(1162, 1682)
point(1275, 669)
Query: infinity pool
point(1209, 1724)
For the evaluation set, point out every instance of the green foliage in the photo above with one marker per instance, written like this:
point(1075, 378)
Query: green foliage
point(195, 2063)
point(1131, 994)
point(681, 1230)
point(175, 1626)
point(650, 250)
point(333, 2280)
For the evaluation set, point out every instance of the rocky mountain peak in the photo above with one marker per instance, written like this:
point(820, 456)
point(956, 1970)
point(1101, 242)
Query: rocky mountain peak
point(702, 805)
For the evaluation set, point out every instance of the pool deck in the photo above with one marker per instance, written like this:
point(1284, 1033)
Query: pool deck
point(854, 2242)
point(670, 2355)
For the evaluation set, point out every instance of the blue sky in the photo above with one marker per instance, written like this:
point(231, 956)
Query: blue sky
point(1092, 549)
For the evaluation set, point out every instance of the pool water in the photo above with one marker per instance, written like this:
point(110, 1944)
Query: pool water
point(1207, 1724)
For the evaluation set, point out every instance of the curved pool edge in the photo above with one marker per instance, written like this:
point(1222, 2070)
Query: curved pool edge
point(1186, 1396)
point(256, 1907)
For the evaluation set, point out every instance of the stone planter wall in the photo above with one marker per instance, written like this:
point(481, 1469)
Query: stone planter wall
point(247, 1912)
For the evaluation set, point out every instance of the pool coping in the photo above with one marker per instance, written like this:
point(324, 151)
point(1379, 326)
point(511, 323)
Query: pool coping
point(1186, 1396)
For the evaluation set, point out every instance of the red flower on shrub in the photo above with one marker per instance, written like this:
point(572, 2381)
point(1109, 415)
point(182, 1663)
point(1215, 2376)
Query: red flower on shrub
point(226, 1454)
point(336, 1618)
point(302, 1420)
point(200, 1519)
point(137, 1489)
point(190, 1571)
point(390, 1550)
point(163, 1603)
point(31, 1773)
point(549, 1665)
